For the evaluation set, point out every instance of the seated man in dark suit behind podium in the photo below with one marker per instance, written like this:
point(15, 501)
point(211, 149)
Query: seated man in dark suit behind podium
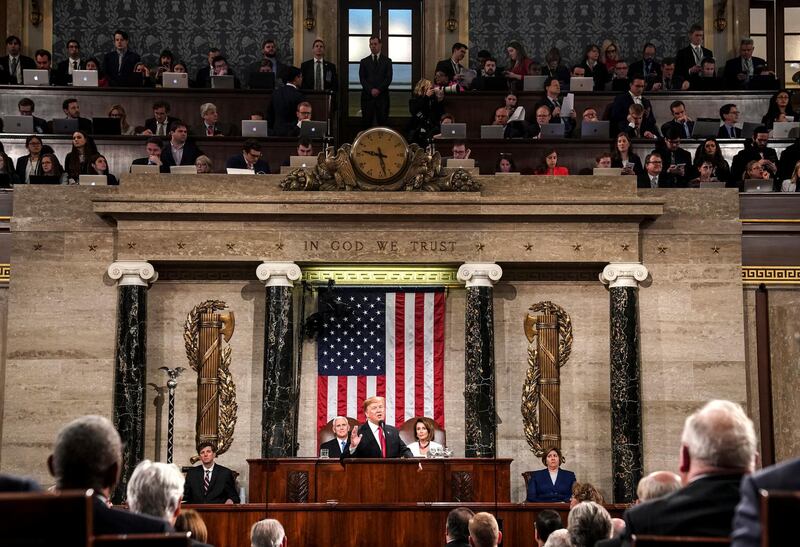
point(335, 446)
point(376, 439)
point(210, 482)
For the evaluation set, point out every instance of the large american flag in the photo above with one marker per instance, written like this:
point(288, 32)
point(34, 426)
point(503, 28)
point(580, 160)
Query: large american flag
point(388, 343)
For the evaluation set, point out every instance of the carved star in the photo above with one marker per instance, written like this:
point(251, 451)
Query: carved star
point(479, 246)
point(231, 246)
point(181, 245)
point(92, 248)
point(279, 246)
point(625, 246)
point(662, 250)
point(131, 245)
point(715, 249)
point(528, 246)
point(577, 247)
point(37, 246)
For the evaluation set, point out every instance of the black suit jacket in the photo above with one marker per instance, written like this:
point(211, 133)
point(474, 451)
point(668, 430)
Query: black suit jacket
point(10, 483)
point(665, 128)
point(333, 447)
point(282, 111)
point(62, 71)
point(747, 154)
point(150, 123)
point(145, 161)
point(375, 76)
point(638, 67)
point(237, 162)
point(702, 508)
point(108, 520)
point(679, 156)
point(664, 181)
point(121, 76)
point(203, 77)
point(221, 488)
point(490, 83)
point(698, 83)
point(446, 66)
point(220, 128)
point(619, 110)
point(734, 67)
point(330, 81)
point(722, 133)
point(39, 125)
point(684, 60)
point(5, 69)
point(369, 447)
point(190, 154)
point(22, 165)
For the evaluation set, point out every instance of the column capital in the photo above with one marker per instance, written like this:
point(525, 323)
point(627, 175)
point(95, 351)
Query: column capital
point(479, 274)
point(278, 274)
point(132, 273)
point(623, 274)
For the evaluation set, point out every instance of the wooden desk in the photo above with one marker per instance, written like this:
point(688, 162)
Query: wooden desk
point(309, 480)
point(374, 525)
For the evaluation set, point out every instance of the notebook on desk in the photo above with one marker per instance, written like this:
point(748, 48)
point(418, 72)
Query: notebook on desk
point(175, 80)
point(551, 131)
point(784, 130)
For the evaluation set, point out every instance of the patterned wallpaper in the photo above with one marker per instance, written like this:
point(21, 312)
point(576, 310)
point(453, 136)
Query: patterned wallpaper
point(187, 27)
point(570, 25)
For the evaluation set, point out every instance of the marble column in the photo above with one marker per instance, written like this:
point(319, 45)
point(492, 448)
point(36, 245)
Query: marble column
point(279, 407)
point(130, 363)
point(623, 281)
point(480, 433)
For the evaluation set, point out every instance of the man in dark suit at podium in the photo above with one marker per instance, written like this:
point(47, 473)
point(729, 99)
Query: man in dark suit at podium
point(210, 482)
point(336, 446)
point(376, 439)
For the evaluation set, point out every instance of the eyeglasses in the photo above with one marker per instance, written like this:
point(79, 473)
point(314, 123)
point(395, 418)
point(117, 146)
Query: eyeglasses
point(655, 162)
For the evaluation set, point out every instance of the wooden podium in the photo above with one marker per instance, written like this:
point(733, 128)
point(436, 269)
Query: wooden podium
point(355, 480)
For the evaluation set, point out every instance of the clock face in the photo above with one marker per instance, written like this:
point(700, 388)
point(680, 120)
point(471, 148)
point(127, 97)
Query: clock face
point(379, 154)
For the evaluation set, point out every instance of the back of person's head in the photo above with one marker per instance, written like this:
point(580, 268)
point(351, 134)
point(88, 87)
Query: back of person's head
point(190, 521)
point(720, 435)
point(547, 522)
point(559, 538)
point(585, 491)
point(87, 454)
point(267, 533)
point(156, 489)
point(589, 522)
point(657, 485)
point(458, 524)
point(483, 530)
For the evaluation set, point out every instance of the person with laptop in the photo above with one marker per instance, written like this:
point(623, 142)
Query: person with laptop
point(710, 151)
point(161, 120)
point(30, 164)
point(102, 78)
point(117, 112)
point(319, 74)
point(706, 79)
point(73, 112)
point(729, 114)
point(618, 114)
point(619, 78)
point(78, 160)
point(26, 107)
point(282, 110)
point(44, 61)
point(13, 63)
point(549, 165)
point(680, 120)
point(51, 172)
point(636, 126)
point(153, 148)
point(552, 99)
point(250, 158)
point(780, 109)
point(72, 62)
point(211, 126)
point(203, 77)
point(705, 174)
point(179, 150)
point(505, 164)
point(269, 58)
point(221, 68)
point(303, 113)
point(304, 149)
point(98, 165)
point(119, 63)
point(755, 149)
point(489, 79)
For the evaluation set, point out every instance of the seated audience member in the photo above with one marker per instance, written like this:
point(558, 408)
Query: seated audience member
point(746, 521)
point(552, 92)
point(250, 158)
point(647, 66)
point(179, 150)
point(589, 115)
point(619, 111)
point(652, 176)
point(780, 109)
point(424, 433)
point(72, 62)
point(484, 531)
point(755, 149)
point(518, 64)
point(51, 167)
point(505, 164)
point(203, 77)
point(155, 489)
point(445, 119)
point(500, 116)
point(222, 485)
point(601, 161)
point(190, 520)
point(547, 521)
point(554, 68)
point(335, 446)
point(710, 151)
point(102, 78)
point(668, 80)
point(718, 448)
point(636, 126)
point(789, 157)
point(282, 110)
point(657, 484)
point(10, 483)
point(303, 113)
point(119, 63)
point(203, 165)
point(166, 60)
point(480, 59)
point(7, 168)
point(460, 152)
point(729, 114)
point(44, 61)
point(13, 63)
point(221, 68)
point(754, 170)
point(211, 126)
point(706, 79)
point(550, 164)
point(609, 53)
point(594, 69)
point(619, 79)
point(559, 538)
point(790, 184)
point(677, 160)
point(30, 163)
point(73, 111)
point(267, 533)
point(142, 77)
point(257, 115)
point(542, 116)
point(588, 523)
point(534, 69)
point(161, 120)
point(584, 491)
point(489, 79)
point(457, 527)
point(78, 160)
point(304, 147)
point(689, 58)
point(680, 120)
point(88, 454)
point(622, 155)
point(740, 70)
point(26, 106)
point(551, 484)
point(705, 172)
point(153, 148)
point(514, 109)
point(98, 165)
point(117, 111)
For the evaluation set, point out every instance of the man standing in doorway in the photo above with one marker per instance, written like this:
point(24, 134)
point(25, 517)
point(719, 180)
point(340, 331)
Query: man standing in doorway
point(375, 74)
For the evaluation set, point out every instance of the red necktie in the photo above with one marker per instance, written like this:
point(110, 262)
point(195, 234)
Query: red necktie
point(382, 440)
point(210, 131)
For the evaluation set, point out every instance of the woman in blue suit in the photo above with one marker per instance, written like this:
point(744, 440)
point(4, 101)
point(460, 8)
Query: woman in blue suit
point(552, 484)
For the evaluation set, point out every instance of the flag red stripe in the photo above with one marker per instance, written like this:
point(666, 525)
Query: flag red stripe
point(438, 358)
point(362, 395)
point(342, 395)
point(322, 401)
point(399, 358)
point(419, 354)
point(380, 388)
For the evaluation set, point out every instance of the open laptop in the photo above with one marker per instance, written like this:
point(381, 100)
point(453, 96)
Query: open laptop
point(93, 180)
point(262, 80)
point(84, 78)
point(175, 80)
point(581, 83)
point(183, 170)
point(65, 126)
point(551, 131)
point(758, 186)
point(35, 77)
point(703, 129)
point(607, 171)
point(533, 83)
point(748, 128)
point(254, 128)
point(454, 131)
point(18, 124)
point(493, 131)
point(313, 130)
point(222, 82)
point(145, 169)
point(41, 179)
point(106, 126)
point(594, 130)
point(302, 161)
point(784, 130)
point(463, 164)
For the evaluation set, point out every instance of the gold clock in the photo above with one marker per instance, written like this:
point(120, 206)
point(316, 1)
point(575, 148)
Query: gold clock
point(379, 155)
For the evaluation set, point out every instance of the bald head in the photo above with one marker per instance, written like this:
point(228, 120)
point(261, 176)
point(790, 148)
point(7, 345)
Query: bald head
point(657, 485)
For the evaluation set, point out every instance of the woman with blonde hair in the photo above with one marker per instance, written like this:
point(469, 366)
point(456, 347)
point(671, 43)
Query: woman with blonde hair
point(790, 184)
point(609, 54)
point(425, 106)
point(117, 111)
point(203, 165)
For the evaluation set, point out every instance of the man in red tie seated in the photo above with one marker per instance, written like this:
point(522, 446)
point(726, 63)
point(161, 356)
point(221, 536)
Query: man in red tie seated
point(376, 439)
